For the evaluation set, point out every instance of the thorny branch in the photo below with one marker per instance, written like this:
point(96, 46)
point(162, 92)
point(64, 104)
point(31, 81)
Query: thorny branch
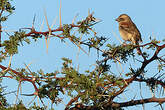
point(118, 105)
point(151, 80)
point(137, 102)
point(144, 64)
point(22, 77)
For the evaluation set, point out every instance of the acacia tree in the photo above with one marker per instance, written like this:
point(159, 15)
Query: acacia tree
point(94, 89)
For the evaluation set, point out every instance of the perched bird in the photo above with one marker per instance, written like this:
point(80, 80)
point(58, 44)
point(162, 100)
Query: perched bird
point(128, 30)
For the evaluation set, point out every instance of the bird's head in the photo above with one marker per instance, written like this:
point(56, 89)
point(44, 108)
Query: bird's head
point(123, 18)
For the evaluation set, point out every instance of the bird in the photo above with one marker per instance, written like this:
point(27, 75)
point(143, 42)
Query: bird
point(128, 31)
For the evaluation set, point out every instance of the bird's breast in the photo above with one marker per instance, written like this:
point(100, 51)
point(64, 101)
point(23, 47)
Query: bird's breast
point(125, 35)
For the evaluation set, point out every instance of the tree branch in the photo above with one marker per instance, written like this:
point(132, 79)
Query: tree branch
point(151, 80)
point(137, 102)
point(22, 77)
point(144, 64)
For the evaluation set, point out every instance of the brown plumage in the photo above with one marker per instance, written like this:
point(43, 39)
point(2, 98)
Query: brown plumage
point(129, 31)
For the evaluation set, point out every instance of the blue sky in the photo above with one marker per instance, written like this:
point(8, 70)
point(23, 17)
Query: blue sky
point(148, 15)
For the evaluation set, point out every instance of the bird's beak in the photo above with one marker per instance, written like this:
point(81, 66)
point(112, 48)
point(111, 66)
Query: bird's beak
point(117, 19)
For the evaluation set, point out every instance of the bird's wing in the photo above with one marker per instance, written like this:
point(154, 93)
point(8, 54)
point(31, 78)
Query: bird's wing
point(138, 34)
point(132, 29)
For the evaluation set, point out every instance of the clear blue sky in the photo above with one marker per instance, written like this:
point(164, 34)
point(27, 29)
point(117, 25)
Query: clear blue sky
point(148, 15)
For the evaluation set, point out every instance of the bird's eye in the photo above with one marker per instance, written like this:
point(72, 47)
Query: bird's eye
point(121, 19)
